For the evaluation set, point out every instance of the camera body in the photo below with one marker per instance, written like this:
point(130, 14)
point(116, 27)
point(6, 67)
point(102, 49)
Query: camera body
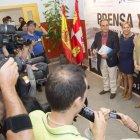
point(7, 33)
point(12, 38)
point(89, 114)
point(21, 63)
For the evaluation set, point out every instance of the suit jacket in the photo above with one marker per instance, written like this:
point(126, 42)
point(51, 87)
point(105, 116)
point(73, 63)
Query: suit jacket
point(113, 43)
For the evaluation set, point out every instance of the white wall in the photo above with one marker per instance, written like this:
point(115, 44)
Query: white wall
point(12, 13)
point(70, 4)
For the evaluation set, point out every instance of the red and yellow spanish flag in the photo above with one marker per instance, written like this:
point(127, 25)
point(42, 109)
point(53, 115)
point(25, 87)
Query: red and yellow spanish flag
point(66, 43)
point(77, 37)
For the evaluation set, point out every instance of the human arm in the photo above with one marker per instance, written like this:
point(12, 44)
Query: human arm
point(137, 67)
point(99, 127)
point(25, 52)
point(42, 29)
point(34, 42)
point(125, 120)
point(33, 67)
point(130, 123)
point(13, 105)
point(31, 48)
point(104, 56)
point(134, 58)
point(135, 61)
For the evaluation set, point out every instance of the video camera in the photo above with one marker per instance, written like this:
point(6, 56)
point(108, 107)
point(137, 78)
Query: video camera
point(21, 63)
point(10, 37)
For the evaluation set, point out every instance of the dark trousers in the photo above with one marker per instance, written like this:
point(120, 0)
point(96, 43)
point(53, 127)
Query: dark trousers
point(42, 54)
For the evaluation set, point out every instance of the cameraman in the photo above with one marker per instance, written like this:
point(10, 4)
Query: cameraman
point(13, 106)
point(66, 91)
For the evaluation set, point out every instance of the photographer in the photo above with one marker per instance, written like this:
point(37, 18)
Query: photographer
point(35, 71)
point(66, 91)
point(13, 106)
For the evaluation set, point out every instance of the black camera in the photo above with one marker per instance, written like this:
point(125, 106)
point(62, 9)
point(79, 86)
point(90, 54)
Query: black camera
point(11, 38)
point(89, 114)
point(18, 60)
point(113, 114)
point(21, 63)
point(8, 33)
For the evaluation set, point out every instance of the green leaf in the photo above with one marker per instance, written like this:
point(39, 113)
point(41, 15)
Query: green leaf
point(53, 16)
point(47, 5)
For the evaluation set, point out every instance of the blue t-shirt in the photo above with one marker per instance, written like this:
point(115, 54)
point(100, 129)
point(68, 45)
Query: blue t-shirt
point(38, 48)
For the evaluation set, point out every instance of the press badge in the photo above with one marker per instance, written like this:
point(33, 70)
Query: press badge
point(26, 79)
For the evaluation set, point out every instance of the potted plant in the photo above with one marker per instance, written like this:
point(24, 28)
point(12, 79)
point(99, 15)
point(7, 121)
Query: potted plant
point(53, 16)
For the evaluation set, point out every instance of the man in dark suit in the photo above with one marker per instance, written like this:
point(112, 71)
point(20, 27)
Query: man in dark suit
point(107, 63)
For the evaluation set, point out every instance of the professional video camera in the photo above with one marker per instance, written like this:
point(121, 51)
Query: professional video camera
point(14, 42)
point(11, 38)
point(21, 63)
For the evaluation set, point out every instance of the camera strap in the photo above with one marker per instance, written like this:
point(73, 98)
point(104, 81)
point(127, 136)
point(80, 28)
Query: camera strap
point(18, 123)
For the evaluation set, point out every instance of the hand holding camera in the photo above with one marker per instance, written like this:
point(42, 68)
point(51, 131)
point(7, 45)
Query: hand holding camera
point(99, 124)
point(90, 114)
point(129, 122)
point(8, 73)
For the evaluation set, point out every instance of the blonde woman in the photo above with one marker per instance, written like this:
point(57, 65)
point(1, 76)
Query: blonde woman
point(126, 63)
point(137, 58)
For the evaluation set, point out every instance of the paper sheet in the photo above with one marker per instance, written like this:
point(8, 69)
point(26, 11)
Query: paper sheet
point(104, 50)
